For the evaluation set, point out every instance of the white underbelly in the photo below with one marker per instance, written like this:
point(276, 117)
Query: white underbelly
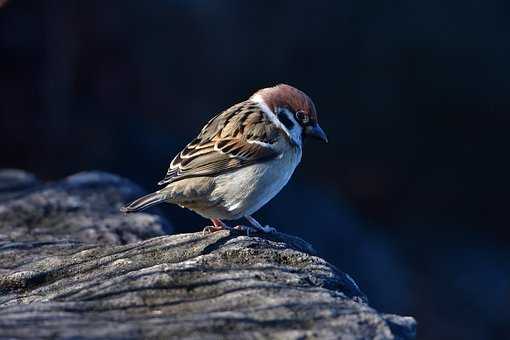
point(246, 190)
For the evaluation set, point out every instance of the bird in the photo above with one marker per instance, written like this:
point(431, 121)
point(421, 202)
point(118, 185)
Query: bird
point(240, 160)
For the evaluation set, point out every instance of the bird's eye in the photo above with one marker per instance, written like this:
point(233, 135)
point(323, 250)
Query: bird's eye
point(302, 117)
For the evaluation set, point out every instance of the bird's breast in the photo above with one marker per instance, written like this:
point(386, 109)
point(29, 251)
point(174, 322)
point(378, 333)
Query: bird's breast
point(246, 190)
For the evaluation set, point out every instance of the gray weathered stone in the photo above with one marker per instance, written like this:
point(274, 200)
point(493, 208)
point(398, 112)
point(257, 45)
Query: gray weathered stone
point(13, 181)
point(64, 273)
point(83, 207)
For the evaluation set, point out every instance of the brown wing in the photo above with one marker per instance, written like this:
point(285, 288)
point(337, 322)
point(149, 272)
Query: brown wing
point(233, 139)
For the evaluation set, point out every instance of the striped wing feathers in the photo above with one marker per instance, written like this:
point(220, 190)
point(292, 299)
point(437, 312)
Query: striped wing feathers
point(235, 138)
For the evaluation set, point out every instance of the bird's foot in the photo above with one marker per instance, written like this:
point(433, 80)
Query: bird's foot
point(211, 229)
point(265, 229)
point(245, 228)
point(217, 226)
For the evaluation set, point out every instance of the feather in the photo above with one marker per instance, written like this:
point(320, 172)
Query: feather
point(235, 138)
point(143, 202)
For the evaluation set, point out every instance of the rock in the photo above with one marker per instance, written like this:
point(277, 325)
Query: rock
point(58, 281)
point(83, 207)
point(13, 181)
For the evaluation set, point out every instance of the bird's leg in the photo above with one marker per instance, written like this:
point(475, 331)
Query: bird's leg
point(217, 226)
point(265, 229)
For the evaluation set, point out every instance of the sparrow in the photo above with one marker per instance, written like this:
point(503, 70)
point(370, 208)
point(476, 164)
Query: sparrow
point(241, 158)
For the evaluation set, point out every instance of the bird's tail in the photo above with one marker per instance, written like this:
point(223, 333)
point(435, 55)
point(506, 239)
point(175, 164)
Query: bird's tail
point(143, 202)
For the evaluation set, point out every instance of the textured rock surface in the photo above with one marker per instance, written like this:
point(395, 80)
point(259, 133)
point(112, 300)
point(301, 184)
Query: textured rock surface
point(83, 207)
point(71, 266)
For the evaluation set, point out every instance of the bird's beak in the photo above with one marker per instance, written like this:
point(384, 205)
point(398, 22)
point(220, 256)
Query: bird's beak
point(316, 132)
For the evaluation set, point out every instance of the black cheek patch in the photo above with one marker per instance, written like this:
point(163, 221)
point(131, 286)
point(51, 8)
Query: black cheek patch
point(285, 120)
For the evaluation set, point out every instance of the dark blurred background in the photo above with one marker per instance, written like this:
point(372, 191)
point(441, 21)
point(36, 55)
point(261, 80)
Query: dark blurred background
point(409, 197)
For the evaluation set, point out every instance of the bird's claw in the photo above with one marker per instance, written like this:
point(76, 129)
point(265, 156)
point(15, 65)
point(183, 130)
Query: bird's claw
point(264, 229)
point(248, 230)
point(211, 229)
point(268, 230)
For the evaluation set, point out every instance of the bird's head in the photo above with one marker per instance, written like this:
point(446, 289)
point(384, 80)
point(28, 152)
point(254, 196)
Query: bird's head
point(293, 109)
